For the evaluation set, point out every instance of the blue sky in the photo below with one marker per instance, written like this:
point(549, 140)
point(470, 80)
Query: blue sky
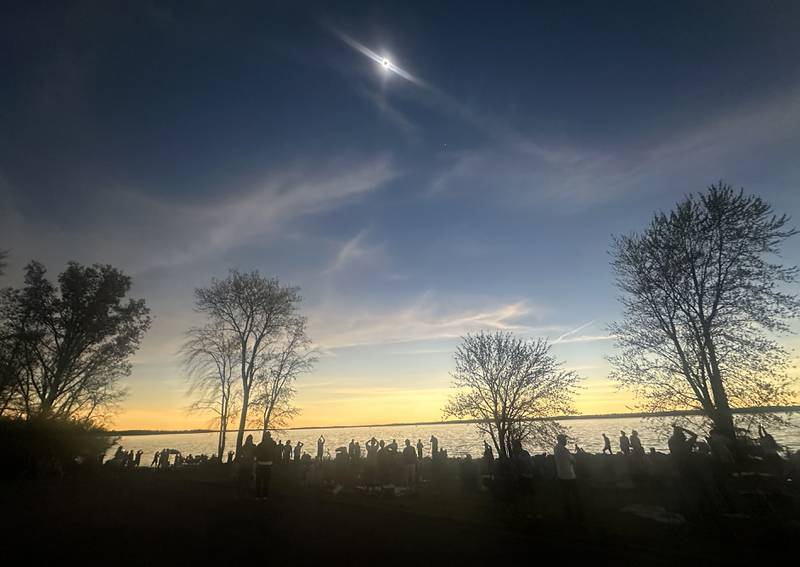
point(179, 140)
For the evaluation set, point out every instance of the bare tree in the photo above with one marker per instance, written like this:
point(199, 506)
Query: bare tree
point(255, 311)
point(287, 358)
point(210, 358)
point(702, 304)
point(509, 384)
point(68, 347)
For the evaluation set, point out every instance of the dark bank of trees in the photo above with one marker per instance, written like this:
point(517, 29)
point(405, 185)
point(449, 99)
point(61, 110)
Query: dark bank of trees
point(244, 362)
point(64, 347)
point(704, 297)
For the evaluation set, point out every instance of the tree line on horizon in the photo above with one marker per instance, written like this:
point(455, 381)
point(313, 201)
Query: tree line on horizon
point(703, 296)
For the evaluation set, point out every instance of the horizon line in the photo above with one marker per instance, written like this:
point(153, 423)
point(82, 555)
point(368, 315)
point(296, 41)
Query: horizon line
point(670, 413)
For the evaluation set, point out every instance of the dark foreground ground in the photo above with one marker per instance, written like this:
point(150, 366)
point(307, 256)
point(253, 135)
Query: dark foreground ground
point(190, 516)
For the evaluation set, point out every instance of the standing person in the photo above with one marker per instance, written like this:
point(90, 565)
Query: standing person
point(287, 451)
point(154, 463)
point(230, 457)
point(488, 457)
point(636, 444)
point(679, 446)
point(624, 443)
point(265, 453)
point(357, 448)
point(297, 450)
point(320, 447)
point(694, 497)
point(568, 482)
point(351, 449)
point(246, 461)
point(434, 447)
point(138, 460)
point(371, 469)
point(410, 462)
point(419, 449)
point(607, 445)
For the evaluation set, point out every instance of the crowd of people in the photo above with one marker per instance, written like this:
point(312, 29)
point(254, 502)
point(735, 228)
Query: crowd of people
point(165, 458)
point(378, 464)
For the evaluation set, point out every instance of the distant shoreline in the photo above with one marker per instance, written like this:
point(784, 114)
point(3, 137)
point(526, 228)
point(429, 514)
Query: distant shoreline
point(679, 413)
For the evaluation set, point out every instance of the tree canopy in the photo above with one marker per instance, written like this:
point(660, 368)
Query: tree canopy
point(257, 314)
point(65, 347)
point(704, 299)
point(510, 383)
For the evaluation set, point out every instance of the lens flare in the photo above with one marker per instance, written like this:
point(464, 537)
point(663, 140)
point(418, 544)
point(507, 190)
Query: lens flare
point(384, 62)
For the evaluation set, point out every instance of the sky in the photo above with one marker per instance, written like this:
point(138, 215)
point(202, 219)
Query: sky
point(473, 184)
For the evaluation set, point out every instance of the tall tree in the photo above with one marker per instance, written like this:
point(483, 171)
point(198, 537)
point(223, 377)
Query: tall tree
point(289, 356)
point(255, 310)
point(72, 343)
point(210, 358)
point(509, 384)
point(703, 300)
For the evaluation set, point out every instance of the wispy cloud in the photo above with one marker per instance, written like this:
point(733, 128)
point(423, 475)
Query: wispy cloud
point(160, 233)
point(351, 251)
point(523, 172)
point(423, 320)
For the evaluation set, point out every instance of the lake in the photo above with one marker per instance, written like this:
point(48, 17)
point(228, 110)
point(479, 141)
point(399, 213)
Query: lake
point(458, 438)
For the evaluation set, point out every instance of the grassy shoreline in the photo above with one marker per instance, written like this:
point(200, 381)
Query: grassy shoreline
point(194, 514)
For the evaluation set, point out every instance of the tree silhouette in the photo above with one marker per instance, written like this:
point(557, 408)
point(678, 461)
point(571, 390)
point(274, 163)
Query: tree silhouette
point(69, 345)
point(509, 384)
point(289, 356)
point(209, 356)
point(702, 303)
point(254, 311)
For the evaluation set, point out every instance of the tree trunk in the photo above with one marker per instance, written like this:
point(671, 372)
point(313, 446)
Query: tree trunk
point(223, 430)
point(242, 420)
point(266, 421)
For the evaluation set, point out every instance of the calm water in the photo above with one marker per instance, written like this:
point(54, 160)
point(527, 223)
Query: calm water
point(458, 439)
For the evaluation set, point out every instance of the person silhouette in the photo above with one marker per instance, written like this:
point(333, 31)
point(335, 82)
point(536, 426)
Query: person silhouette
point(607, 445)
point(567, 480)
point(410, 463)
point(488, 457)
point(434, 447)
point(768, 444)
point(320, 447)
point(265, 453)
point(419, 449)
point(154, 462)
point(297, 450)
point(371, 470)
point(636, 444)
point(246, 458)
point(624, 443)
point(287, 451)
